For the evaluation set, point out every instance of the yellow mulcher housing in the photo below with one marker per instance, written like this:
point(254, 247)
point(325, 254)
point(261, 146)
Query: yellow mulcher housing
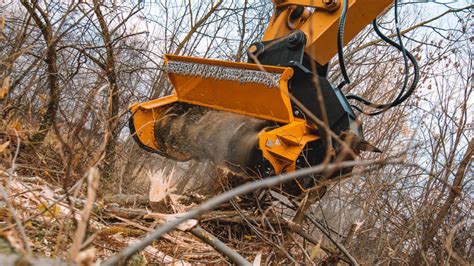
point(263, 95)
point(294, 52)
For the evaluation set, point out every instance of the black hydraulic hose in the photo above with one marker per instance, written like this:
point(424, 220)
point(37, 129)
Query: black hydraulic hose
point(405, 60)
point(406, 54)
point(399, 99)
point(340, 45)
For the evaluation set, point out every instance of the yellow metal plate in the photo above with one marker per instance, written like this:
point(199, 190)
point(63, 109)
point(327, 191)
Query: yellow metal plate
point(144, 117)
point(247, 98)
point(282, 146)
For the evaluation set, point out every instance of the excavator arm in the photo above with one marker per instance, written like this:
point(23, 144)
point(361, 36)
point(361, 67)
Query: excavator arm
point(319, 21)
point(253, 117)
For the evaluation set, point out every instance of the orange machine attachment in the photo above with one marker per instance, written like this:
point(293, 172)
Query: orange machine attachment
point(319, 20)
point(241, 113)
point(255, 91)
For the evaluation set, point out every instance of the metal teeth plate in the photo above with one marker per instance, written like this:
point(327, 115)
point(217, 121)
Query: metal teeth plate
point(223, 73)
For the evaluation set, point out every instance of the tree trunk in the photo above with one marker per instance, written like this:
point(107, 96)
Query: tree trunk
point(108, 165)
point(45, 27)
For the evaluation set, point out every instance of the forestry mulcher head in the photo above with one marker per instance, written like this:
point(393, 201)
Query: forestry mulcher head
point(276, 113)
point(241, 115)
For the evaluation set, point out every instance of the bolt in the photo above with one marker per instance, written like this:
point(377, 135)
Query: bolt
point(292, 38)
point(269, 143)
point(330, 3)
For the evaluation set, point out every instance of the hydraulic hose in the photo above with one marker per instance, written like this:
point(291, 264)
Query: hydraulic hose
point(340, 45)
point(402, 96)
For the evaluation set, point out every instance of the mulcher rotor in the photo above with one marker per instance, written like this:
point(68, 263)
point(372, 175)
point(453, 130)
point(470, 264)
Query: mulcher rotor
point(240, 114)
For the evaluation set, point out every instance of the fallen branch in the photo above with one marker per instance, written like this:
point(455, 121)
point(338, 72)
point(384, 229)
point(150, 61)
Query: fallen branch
point(219, 246)
point(125, 200)
point(224, 197)
point(125, 212)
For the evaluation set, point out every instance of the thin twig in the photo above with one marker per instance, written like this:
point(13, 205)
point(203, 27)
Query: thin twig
point(12, 169)
point(92, 185)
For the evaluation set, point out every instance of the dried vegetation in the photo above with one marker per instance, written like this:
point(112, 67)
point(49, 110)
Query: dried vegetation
point(75, 188)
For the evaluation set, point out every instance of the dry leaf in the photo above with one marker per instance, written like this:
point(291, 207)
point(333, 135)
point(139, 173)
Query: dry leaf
point(4, 146)
point(358, 225)
point(5, 87)
point(2, 24)
point(315, 250)
point(5, 215)
point(15, 125)
point(53, 211)
point(43, 98)
point(249, 237)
